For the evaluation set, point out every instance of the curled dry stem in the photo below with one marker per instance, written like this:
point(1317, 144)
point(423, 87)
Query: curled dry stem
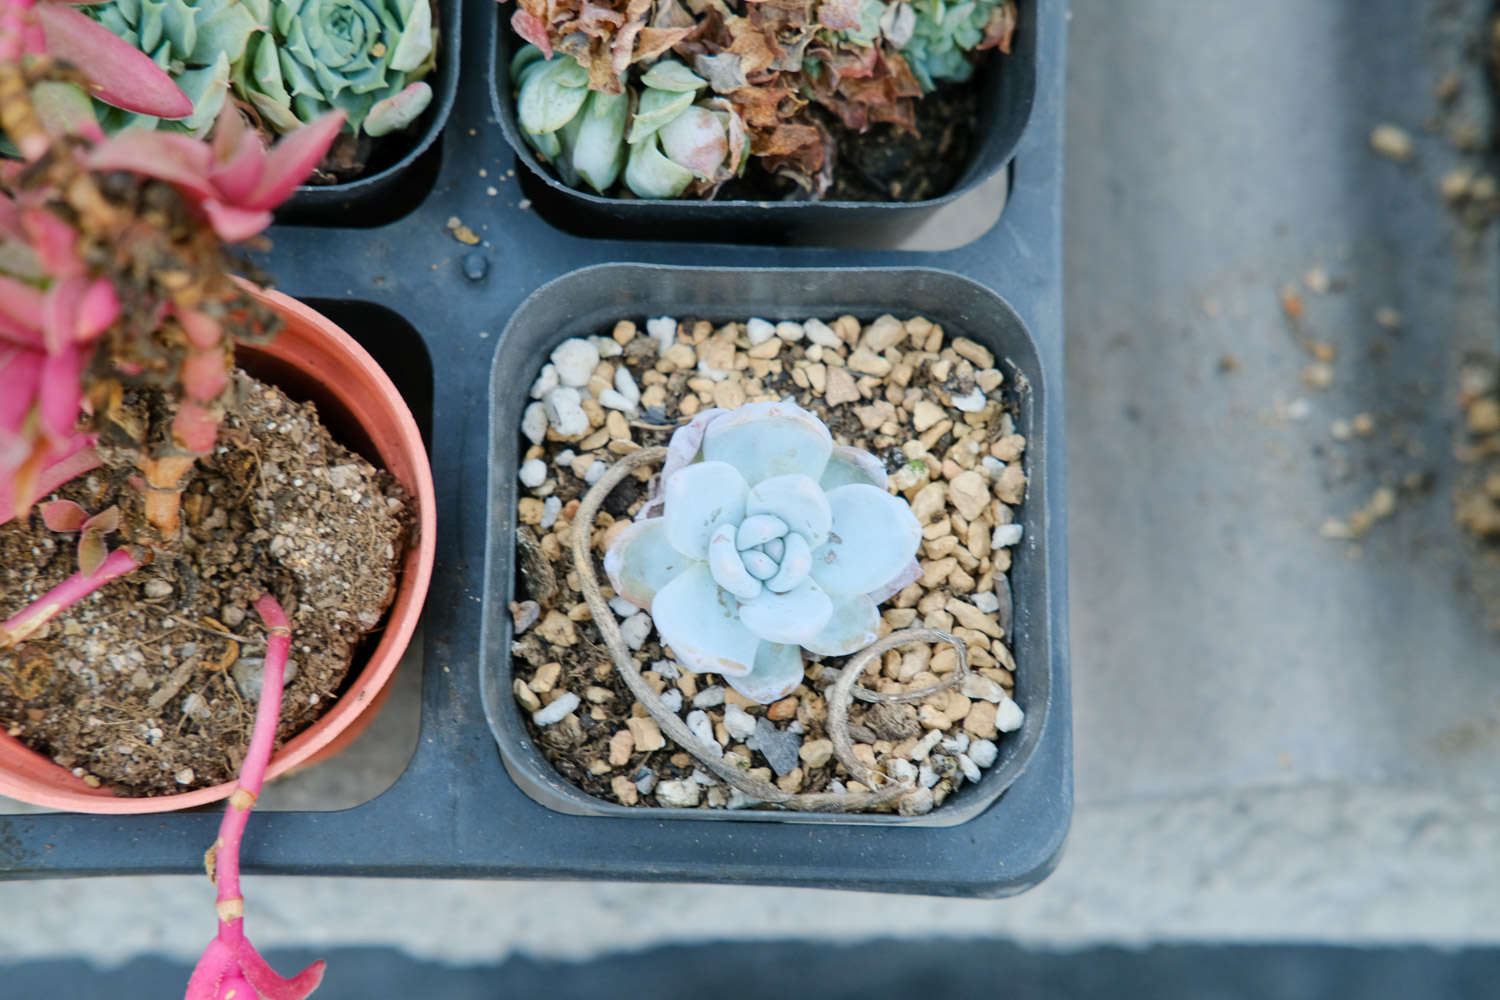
point(839, 696)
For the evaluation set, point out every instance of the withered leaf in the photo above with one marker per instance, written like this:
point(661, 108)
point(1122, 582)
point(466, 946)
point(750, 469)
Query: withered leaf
point(1000, 28)
point(839, 15)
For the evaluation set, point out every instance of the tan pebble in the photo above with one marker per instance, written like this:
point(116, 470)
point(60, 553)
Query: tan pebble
point(816, 753)
point(960, 579)
point(887, 331)
point(623, 447)
point(791, 781)
point(978, 539)
point(899, 617)
point(865, 754)
point(971, 617)
point(1392, 142)
point(595, 412)
point(680, 356)
point(598, 695)
point(617, 425)
point(951, 470)
point(557, 629)
point(782, 710)
point(901, 375)
point(980, 721)
point(945, 660)
point(847, 327)
point(1484, 416)
point(701, 384)
point(529, 510)
point(653, 395)
point(913, 662)
point(624, 790)
point(646, 734)
point(621, 745)
point(1011, 486)
point(974, 352)
point(579, 612)
point(840, 387)
point(527, 698)
point(989, 380)
point(687, 683)
point(655, 681)
point(931, 718)
point(546, 677)
point(867, 362)
point(929, 438)
point(938, 548)
point(595, 441)
point(729, 394)
point(597, 384)
point(918, 327)
point(937, 571)
point(940, 370)
point(733, 697)
point(767, 349)
point(688, 406)
point(624, 332)
point(1008, 448)
point(929, 501)
point(925, 414)
point(940, 620)
point(1000, 560)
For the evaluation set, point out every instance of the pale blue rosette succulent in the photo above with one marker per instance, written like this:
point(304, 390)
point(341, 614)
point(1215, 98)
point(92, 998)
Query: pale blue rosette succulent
point(771, 540)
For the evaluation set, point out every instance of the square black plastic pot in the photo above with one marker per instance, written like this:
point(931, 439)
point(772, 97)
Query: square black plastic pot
point(590, 301)
point(398, 187)
point(1007, 90)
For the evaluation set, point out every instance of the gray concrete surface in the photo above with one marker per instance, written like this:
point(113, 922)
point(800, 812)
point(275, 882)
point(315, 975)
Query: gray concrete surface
point(1278, 736)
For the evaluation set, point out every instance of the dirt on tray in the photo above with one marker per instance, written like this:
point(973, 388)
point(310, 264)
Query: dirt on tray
point(889, 387)
point(149, 685)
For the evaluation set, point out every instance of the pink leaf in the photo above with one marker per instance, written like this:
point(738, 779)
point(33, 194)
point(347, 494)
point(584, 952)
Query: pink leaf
point(195, 428)
point(118, 72)
point(20, 385)
point(62, 391)
point(204, 375)
point(293, 159)
point(91, 552)
point(235, 224)
point(20, 303)
point(104, 522)
point(100, 307)
point(63, 515)
point(218, 959)
point(531, 28)
point(175, 158)
point(239, 159)
point(55, 242)
point(60, 313)
point(273, 985)
point(57, 466)
point(203, 331)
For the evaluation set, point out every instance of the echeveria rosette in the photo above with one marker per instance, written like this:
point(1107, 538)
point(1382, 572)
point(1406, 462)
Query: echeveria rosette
point(771, 541)
point(942, 35)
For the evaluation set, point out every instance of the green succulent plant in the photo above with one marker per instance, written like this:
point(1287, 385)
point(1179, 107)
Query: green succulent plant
point(941, 38)
point(661, 136)
point(292, 60)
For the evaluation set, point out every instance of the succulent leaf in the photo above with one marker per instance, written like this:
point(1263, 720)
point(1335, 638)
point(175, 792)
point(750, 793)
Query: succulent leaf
point(657, 108)
point(700, 498)
point(853, 624)
point(701, 623)
point(793, 617)
point(649, 174)
point(874, 535)
point(797, 501)
point(641, 561)
point(669, 74)
point(695, 139)
point(769, 439)
point(550, 97)
point(777, 672)
point(599, 147)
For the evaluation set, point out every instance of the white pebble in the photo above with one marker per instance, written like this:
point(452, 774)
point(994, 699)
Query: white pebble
point(957, 744)
point(709, 697)
point(971, 402)
point(672, 698)
point(622, 607)
point(645, 781)
point(1004, 536)
point(625, 385)
point(739, 800)
point(901, 770)
point(557, 711)
point(575, 361)
point(1008, 717)
point(195, 707)
point(969, 768)
point(986, 601)
point(759, 331)
point(992, 466)
point(663, 330)
point(926, 776)
point(595, 472)
point(534, 423)
point(739, 723)
point(551, 507)
point(982, 688)
point(708, 371)
point(983, 752)
point(678, 793)
point(564, 459)
point(635, 629)
point(545, 382)
point(613, 399)
point(667, 669)
point(821, 333)
point(184, 777)
point(704, 778)
point(700, 726)
point(607, 347)
point(565, 412)
point(789, 331)
point(533, 473)
point(923, 748)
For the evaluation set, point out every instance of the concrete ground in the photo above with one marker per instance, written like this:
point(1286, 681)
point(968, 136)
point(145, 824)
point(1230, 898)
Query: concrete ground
point(1279, 736)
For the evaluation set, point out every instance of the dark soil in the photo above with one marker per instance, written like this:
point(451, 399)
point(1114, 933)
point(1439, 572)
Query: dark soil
point(148, 685)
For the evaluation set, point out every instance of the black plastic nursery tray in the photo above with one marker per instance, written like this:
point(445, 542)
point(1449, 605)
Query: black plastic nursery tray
point(456, 811)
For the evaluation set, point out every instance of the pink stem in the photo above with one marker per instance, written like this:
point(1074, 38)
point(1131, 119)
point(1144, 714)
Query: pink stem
point(66, 594)
point(20, 34)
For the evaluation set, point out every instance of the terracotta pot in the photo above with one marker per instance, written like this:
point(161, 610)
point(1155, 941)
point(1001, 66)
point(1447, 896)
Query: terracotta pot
point(310, 358)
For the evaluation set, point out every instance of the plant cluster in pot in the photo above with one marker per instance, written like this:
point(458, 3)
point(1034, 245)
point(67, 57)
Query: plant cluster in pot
point(843, 99)
point(223, 538)
point(805, 529)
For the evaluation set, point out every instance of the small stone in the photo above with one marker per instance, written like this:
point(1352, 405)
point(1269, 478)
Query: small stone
point(759, 331)
point(663, 330)
point(575, 360)
point(635, 629)
point(700, 726)
point(986, 601)
point(932, 719)
point(646, 733)
point(780, 747)
point(983, 752)
point(613, 399)
point(157, 589)
point(789, 331)
point(885, 332)
point(624, 790)
point(533, 473)
point(1011, 486)
point(982, 688)
point(918, 802)
point(623, 332)
point(980, 721)
point(816, 753)
point(866, 362)
point(1483, 418)
point(595, 472)
point(534, 422)
point(546, 677)
point(1392, 142)
point(681, 356)
point(678, 793)
point(840, 387)
point(545, 382)
point(673, 700)
point(929, 502)
point(1005, 535)
point(1009, 716)
point(607, 347)
point(782, 710)
point(625, 385)
point(739, 723)
point(557, 711)
point(525, 696)
point(709, 697)
point(972, 401)
point(667, 669)
point(969, 493)
point(598, 695)
point(729, 395)
point(195, 707)
point(971, 617)
point(616, 424)
point(621, 607)
point(973, 352)
point(822, 334)
point(1318, 375)
point(644, 780)
point(565, 412)
point(925, 414)
point(1387, 317)
point(184, 777)
point(969, 768)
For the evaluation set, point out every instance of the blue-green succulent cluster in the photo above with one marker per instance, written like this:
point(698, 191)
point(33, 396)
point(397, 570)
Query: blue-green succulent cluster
point(942, 38)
